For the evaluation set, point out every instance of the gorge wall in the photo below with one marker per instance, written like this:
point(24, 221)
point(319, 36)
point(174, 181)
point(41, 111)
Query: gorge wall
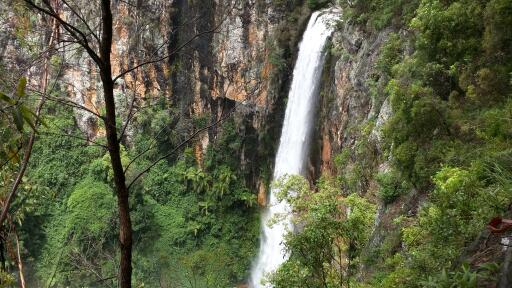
point(218, 57)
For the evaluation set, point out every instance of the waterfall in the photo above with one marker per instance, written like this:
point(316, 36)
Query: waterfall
point(295, 139)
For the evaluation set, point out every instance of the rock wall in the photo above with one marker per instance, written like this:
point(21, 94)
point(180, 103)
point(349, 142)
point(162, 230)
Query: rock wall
point(353, 101)
point(209, 51)
point(346, 98)
point(231, 71)
point(139, 35)
point(218, 56)
point(215, 57)
point(353, 110)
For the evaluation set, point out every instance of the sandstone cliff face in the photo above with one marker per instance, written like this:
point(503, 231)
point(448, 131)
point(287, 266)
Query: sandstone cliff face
point(353, 110)
point(231, 71)
point(211, 52)
point(241, 51)
point(139, 35)
point(215, 57)
point(346, 98)
point(227, 66)
point(218, 57)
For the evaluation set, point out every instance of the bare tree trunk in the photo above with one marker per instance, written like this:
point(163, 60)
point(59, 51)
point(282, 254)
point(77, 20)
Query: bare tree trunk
point(125, 225)
point(20, 263)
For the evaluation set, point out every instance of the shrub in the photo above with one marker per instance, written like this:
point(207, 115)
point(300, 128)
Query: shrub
point(329, 234)
point(317, 4)
point(391, 186)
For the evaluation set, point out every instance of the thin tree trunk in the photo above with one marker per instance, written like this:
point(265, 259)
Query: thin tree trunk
point(125, 225)
point(20, 263)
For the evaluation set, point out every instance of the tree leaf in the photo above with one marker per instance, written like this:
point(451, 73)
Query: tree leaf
point(28, 116)
point(18, 119)
point(7, 99)
point(20, 90)
point(13, 156)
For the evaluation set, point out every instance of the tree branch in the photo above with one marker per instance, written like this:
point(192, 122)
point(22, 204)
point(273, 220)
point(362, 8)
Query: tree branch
point(75, 32)
point(79, 16)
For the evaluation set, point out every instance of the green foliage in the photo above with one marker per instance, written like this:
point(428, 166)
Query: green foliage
point(16, 115)
point(198, 215)
point(457, 211)
point(90, 209)
point(464, 278)
point(106, 164)
point(286, 4)
point(7, 280)
point(424, 121)
point(185, 217)
point(317, 4)
point(449, 137)
point(391, 54)
point(59, 163)
point(449, 33)
point(391, 186)
point(355, 164)
point(379, 14)
point(277, 59)
point(334, 231)
point(80, 237)
point(204, 264)
point(498, 18)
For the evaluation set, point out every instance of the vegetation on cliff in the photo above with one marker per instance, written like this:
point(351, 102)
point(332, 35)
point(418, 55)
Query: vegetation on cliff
point(448, 78)
point(442, 164)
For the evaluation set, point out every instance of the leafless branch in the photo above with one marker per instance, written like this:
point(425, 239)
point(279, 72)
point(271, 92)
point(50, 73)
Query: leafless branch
point(73, 104)
point(79, 16)
point(89, 141)
point(75, 32)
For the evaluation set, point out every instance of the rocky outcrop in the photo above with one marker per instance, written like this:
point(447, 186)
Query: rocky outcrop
point(241, 50)
point(139, 35)
point(353, 110)
point(208, 50)
point(231, 71)
point(346, 99)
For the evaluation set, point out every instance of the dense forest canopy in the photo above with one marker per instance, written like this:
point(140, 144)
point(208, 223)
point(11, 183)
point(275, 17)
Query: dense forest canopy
point(138, 142)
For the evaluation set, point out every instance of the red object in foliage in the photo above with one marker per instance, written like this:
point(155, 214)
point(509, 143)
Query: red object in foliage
point(498, 225)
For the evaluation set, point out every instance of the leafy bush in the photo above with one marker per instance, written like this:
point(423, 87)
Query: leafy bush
point(463, 277)
point(317, 4)
point(379, 14)
point(390, 54)
point(444, 137)
point(196, 215)
point(81, 237)
point(334, 231)
point(391, 186)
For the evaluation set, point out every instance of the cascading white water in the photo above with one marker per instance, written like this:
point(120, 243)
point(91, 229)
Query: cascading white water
point(295, 139)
